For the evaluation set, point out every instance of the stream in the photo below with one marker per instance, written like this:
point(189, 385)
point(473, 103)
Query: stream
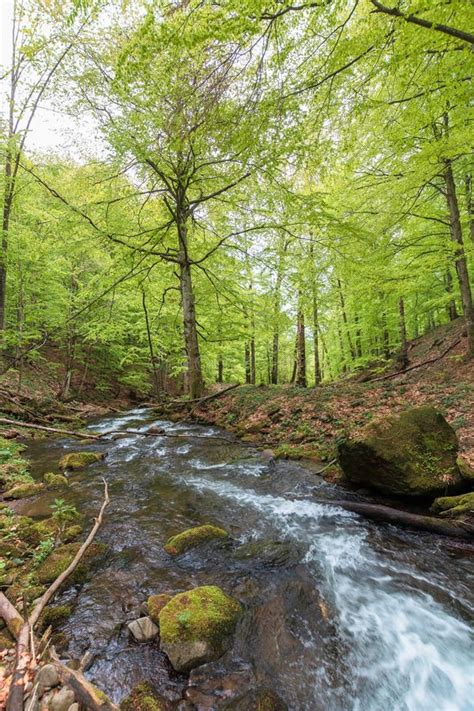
point(345, 615)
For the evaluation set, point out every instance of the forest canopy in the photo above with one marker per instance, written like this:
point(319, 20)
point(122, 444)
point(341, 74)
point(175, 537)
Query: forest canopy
point(270, 193)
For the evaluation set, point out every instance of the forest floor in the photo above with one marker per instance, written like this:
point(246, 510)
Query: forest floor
point(306, 423)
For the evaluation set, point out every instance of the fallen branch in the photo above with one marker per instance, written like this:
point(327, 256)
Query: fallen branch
point(199, 400)
point(24, 656)
point(88, 695)
point(54, 430)
point(387, 514)
point(104, 435)
point(418, 365)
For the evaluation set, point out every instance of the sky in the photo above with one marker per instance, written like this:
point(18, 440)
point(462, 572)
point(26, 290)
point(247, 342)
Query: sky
point(52, 131)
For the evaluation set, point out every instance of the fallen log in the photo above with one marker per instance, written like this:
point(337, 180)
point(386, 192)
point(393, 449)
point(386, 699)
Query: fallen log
point(53, 430)
point(25, 656)
point(199, 400)
point(417, 365)
point(397, 517)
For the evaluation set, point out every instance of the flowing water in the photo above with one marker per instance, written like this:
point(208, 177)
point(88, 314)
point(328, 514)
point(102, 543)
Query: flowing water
point(348, 616)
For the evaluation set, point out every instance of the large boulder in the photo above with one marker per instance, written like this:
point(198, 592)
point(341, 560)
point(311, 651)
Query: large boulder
point(196, 626)
point(411, 455)
point(193, 537)
point(155, 604)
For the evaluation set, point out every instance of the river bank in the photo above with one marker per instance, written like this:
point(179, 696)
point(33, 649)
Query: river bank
point(322, 590)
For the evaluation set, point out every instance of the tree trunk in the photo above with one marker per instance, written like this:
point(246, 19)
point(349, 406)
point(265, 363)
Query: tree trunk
point(253, 372)
point(452, 310)
point(156, 379)
point(248, 374)
point(300, 378)
point(403, 358)
point(470, 205)
point(314, 289)
point(191, 343)
point(276, 317)
point(460, 256)
point(345, 320)
point(220, 368)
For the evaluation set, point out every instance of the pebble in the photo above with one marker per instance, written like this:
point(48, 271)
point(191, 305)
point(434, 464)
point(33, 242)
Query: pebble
point(143, 629)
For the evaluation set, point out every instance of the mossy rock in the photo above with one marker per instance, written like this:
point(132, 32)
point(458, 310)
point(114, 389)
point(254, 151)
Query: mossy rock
point(143, 697)
point(193, 537)
point(155, 604)
point(454, 505)
point(21, 588)
point(196, 626)
point(79, 460)
point(6, 640)
point(22, 491)
point(269, 553)
point(467, 472)
point(62, 557)
point(257, 700)
point(71, 533)
point(55, 481)
point(55, 616)
point(411, 455)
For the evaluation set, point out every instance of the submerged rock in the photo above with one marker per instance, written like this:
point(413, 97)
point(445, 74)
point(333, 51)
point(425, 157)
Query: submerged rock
point(155, 604)
point(143, 629)
point(22, 491)
point(269, 553)
point(259, 700)
point(454, 506)
point(62, 557)
point(411, 455)
point(79, 460)
point(196, 626)
point(55, 481)
point(193, 537)
point(55, 616)
point(144, 698)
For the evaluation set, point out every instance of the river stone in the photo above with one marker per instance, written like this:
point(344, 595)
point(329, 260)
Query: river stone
point(143, 629)
point(268, 553)
point(79, 460)
point(47, 676)
point(62, 700)
point(196, 626)
point(62, 557)
point(55, 481)
point(454, 506)
point(411, 455)
point(193, 537)
point(74, 707)
point(143, 697)
point(155, 604)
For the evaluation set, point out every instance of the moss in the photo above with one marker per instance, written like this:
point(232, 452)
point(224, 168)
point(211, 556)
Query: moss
point(55, 616)
point(6, 640)
point(79, 460)
point(467, 472)
point(55, 481)
point(62, 557)
point(193, 537)
point(142, 698)
point(71, 533)
point(203, 613)
point(454, 505)
point(22, 491)
point(155, 604)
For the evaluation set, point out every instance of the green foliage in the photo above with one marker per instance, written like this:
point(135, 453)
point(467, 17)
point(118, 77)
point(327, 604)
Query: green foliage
point(307, 147)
